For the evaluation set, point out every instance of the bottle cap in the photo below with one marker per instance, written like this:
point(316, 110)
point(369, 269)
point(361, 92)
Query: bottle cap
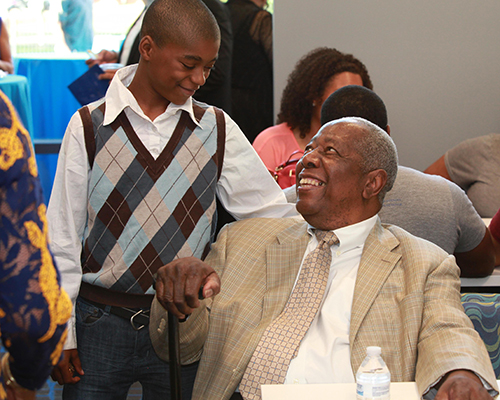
point(373, 351)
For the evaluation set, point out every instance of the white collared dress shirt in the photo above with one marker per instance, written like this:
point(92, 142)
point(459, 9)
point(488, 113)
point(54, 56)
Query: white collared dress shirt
point(324, 355)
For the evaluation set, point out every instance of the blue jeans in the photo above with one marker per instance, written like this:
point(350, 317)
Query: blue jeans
point(114, 356)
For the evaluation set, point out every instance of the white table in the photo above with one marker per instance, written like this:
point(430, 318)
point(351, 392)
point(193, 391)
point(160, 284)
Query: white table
point(337, 391)
point(489, 281)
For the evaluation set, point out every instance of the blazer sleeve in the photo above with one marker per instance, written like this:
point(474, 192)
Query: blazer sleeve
point(447, 339)
point(194, 331)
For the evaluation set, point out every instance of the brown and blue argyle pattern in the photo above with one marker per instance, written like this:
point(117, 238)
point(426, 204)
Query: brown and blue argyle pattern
point(280, 341)
point(145, 212)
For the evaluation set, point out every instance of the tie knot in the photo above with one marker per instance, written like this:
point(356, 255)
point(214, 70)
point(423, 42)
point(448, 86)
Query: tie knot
point(328, 237)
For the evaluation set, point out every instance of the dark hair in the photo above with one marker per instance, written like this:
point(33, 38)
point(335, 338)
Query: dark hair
point(307, 83)
point(179, 21)
point(355, 101)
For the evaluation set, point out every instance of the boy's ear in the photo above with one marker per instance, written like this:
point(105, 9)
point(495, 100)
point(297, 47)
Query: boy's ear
point(146, 46)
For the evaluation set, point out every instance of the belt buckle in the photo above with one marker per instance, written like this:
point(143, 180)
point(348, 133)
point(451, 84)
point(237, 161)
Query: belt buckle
point(132, 322)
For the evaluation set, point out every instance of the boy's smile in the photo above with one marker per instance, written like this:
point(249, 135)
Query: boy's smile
point(176, 72)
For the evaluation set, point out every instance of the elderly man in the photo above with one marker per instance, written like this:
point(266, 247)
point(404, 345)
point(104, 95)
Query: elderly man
point(301, 300)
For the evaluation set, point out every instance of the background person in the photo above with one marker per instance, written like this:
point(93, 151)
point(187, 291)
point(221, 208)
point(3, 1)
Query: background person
point(252, 66)
point(369, 284)
point(33, 307)
point(474, 165)
point(217, 89)
point(76, 24)
point(315, 76)
point(495, 235)
point(5, 54)
point(129, 50)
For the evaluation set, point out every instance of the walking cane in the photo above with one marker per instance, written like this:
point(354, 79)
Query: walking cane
point(174, 351)
point(175, 357)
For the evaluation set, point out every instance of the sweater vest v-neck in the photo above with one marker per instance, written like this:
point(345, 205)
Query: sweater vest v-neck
point(143, 212)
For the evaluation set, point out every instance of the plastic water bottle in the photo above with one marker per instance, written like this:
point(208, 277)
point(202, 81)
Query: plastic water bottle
point(373, 378)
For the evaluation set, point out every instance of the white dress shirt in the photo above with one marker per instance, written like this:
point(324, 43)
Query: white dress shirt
point(324, 355)
point(245, 186)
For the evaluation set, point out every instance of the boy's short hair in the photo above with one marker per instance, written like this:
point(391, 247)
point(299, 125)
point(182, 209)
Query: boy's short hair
point(179, 21)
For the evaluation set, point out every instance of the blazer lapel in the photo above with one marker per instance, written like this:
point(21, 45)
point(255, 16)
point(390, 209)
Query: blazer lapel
point(377, 262)
point(283, 262)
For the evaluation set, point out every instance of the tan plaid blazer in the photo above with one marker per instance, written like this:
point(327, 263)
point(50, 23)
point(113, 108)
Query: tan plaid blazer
point(406, 300)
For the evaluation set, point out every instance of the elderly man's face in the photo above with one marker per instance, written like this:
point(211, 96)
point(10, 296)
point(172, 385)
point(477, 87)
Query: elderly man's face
point(330, 180)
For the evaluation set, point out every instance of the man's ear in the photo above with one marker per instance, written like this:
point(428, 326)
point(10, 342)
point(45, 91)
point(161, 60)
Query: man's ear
point(375, 182)
point(146, 46)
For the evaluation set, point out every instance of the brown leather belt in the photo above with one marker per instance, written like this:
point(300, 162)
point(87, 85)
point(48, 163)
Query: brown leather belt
point(133, 307)
point(109, 297)
point(138, 318)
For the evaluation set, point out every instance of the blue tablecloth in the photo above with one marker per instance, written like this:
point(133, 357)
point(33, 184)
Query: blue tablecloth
point(53, 104)
point(16, 89)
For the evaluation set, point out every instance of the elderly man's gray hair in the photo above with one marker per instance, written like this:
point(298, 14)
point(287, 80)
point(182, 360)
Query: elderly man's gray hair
point(378, 151)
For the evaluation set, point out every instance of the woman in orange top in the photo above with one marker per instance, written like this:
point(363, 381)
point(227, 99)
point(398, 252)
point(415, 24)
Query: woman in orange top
point(317, 75)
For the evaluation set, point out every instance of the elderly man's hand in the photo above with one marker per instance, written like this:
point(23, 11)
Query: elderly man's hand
point(178, 284)
point(462, 385)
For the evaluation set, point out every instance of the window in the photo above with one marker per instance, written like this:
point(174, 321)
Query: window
point(34, 26)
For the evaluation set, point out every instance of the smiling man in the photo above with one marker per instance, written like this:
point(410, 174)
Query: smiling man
point(135, 188)
point(293, 301)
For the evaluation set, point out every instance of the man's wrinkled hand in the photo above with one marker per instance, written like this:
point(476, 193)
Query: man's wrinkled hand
point(68, 369)
point(462, 385)
point(178, 283)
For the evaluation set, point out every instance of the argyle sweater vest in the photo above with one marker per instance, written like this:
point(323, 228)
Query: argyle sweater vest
point(144, 212)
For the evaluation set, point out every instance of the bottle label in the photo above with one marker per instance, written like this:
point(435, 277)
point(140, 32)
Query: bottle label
point(368, 391)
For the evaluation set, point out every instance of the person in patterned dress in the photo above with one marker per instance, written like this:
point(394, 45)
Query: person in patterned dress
point(33, 306)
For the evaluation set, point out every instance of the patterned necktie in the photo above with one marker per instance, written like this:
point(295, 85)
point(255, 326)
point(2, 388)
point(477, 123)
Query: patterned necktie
point(280, 341)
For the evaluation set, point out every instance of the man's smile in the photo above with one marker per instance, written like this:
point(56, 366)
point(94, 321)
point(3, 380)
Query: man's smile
point(304, 182)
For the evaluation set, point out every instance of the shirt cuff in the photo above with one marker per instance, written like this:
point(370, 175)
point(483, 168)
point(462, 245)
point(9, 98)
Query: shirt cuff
point(71, 338)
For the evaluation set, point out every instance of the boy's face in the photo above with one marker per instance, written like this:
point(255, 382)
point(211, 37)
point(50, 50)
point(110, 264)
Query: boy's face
point(177, 71)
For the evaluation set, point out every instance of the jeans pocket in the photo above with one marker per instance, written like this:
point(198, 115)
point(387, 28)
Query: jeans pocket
point(88, 314)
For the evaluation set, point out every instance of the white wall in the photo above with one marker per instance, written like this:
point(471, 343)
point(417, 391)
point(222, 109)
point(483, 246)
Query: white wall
point(436, 64)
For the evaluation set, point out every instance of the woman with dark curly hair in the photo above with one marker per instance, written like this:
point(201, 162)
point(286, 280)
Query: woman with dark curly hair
point(317, 75)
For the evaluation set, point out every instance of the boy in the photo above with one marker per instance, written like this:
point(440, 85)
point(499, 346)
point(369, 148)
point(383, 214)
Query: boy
point(136, 181)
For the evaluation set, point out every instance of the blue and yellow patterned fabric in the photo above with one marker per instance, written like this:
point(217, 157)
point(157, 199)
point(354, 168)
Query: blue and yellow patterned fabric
point(484, 311)
point(33, 307)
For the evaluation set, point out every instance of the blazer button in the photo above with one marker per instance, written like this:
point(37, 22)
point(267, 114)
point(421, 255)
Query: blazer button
point(161, 328)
